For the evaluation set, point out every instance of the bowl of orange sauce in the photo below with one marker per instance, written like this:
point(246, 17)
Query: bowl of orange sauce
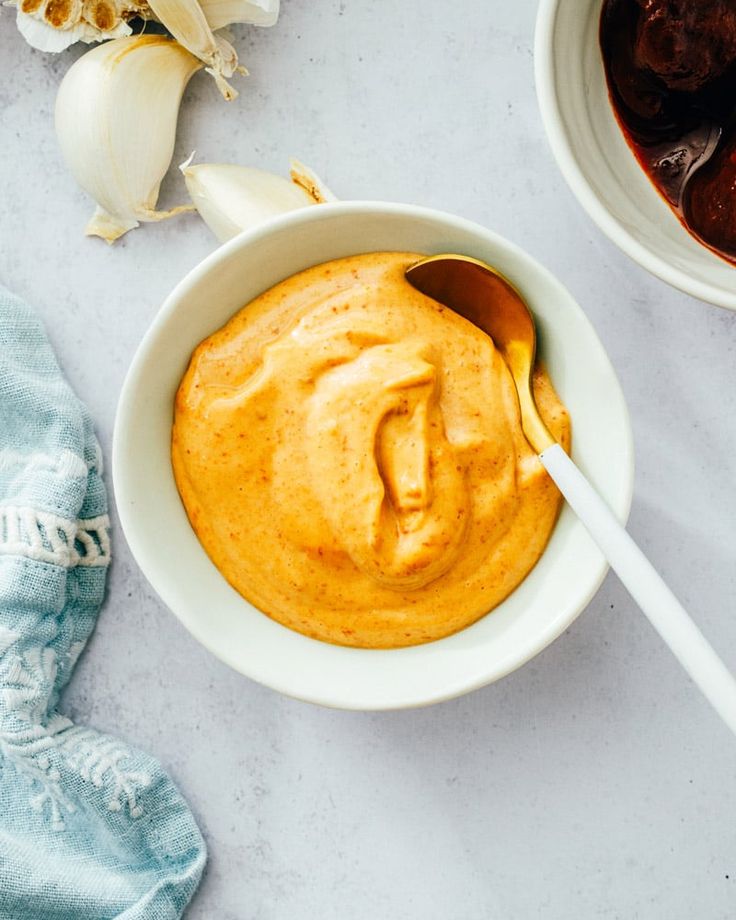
point(321, 472)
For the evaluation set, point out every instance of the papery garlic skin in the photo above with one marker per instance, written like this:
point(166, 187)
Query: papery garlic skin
point(116, 115)
point(186, 21)
point(231, 199)
point(222, 13)
point(51, 26)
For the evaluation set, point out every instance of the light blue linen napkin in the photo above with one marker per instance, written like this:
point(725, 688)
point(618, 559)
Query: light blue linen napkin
point(89, 828)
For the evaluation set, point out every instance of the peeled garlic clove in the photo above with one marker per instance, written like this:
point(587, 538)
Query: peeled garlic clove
point(231, 199)
point(186, 21)
point(221, 13)
point(116, 115)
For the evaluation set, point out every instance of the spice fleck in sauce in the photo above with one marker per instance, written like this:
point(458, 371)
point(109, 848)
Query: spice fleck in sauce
point(350, 455)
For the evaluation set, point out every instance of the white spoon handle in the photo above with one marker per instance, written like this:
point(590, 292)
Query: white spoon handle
point(639, 577)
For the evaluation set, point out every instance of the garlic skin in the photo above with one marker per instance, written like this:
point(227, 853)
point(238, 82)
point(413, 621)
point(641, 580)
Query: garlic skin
point(186, 21)
point(222, 13)
point(116, 114)
point(231, 199)
point(52, 26)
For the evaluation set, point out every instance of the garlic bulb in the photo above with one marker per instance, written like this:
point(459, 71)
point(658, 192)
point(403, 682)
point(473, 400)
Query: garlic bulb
point(52, 26)
point(231, 199)
point(186, 21)
point(116, 115)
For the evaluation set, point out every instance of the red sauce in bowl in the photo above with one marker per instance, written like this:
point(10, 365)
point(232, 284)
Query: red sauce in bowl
point(671, 70)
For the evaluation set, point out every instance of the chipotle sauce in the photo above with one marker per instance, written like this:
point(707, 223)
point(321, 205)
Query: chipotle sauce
point(341, 471)
point(671, 70)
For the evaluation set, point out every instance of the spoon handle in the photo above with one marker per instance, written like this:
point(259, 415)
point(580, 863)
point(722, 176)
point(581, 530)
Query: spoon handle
point(645, 585)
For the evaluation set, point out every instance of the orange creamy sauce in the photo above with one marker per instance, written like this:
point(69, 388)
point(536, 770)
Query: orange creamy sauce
point(350, 455)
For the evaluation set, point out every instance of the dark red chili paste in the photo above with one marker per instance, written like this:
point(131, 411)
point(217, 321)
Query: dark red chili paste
point(671, 69)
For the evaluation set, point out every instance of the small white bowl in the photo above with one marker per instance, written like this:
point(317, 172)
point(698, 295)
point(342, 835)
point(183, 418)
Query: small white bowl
point(598, 164)
point(171, 557)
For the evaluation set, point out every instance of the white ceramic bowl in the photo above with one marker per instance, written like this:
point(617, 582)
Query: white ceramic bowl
point(598, 164)
point(172, 559)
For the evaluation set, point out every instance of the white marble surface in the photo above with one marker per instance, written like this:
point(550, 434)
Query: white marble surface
point(593, 783)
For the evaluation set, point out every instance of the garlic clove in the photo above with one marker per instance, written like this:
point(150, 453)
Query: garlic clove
point(186, 21)
point(116, 114)
point(231, 199)
point(221, 13)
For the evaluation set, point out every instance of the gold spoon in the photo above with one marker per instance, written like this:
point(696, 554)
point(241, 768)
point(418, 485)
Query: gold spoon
point(488, 300)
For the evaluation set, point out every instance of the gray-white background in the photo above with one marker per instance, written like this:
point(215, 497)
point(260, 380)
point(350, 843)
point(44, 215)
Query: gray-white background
point(593, 783)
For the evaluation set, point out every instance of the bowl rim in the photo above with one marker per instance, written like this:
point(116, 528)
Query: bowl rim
point(544, 73)
point(124, 489)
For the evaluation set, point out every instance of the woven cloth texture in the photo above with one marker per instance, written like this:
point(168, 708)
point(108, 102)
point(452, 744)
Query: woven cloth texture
point(89, 827)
